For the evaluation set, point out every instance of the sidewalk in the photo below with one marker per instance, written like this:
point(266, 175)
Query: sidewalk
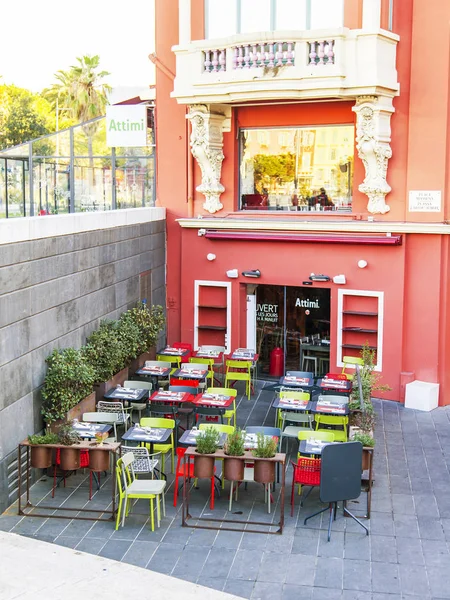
point(35, 570)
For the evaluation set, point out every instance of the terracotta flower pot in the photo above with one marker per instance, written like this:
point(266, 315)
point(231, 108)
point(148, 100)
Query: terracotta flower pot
point(70, 459)
point(264, 471)
point(98, 460)
point(41, 457)
point(233, 469)
point(203, 466)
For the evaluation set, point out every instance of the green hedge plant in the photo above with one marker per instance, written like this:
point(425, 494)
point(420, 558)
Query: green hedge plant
point(105, 351)
point(150, 321)
point(70, 378)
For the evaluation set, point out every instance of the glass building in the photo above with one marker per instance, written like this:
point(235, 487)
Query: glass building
point(74, 170)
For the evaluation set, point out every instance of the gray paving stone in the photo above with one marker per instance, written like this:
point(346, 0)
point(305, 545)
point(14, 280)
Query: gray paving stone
point(381, 523)
point(267, 591)
point(329, 573)
point(140, 553)
point(383, 548)
point(439, 578)
point(357, 575)
point(414, 580)
point(357, 546)
point(115, 549)
point(406, 526)
point(355, 595)
point(296, 592)
point(218, 563)
point(246, 564)
point(403, 504)
point(165, 558)
point(334, 547)
point(273, 568)
point(301, 570)
point(228, 539)
point(430, 528)
point(240, 588)
point(385, 578)
point(409, 551)
point(306, 542)
point(326, 594)
point(67, 542)
point(216, 583)
point(436, 553)
point(90, 545)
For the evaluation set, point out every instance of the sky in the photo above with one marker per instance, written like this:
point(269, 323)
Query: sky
point(40, 37)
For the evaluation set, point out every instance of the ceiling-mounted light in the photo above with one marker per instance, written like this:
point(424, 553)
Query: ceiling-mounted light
point(314, 277)
point(252, 273)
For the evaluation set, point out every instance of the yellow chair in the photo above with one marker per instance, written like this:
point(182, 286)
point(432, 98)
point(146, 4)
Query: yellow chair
point(131, 488)
point(222, 428)
point(239, 370)
point(351, 361)
point(293, 395)
point(231, 412)
point(324, 436)
point(340, 435)
point(163, 424)
point(205, 361)
point(175, 361)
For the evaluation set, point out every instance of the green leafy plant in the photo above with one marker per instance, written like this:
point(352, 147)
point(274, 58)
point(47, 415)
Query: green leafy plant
point(100, 437)
point(129, 335)
point(47, 438)
point(266, 446)
point(150, 321)
point(370, 381)
point(364, 420)
point(105, 351)
point(67, 435)
point(68, 380)
point(208, 441)
point(234, 446)
point(364, 438)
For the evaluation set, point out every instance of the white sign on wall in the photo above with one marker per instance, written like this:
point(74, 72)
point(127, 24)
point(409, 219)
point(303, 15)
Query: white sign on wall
point(424, 201)
point(126, 126)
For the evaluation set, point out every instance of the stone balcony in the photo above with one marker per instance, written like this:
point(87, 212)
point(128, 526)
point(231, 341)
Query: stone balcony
point(290, 65)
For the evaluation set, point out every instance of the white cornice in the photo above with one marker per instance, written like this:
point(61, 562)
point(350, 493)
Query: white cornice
point(319, 226)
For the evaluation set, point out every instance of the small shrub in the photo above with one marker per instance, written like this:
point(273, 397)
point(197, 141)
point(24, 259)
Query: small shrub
point(234, 446)
point(48, 438)
point(364, 438)
point(150, 321)
point(67, 435)
point(266, 447)
point(208, 441)
point(69, 379)
point(104, 351)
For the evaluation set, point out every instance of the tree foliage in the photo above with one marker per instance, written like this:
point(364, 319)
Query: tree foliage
point(23, 116)
point(274, 168)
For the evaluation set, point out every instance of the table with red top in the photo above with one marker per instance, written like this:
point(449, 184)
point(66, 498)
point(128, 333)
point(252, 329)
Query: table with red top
point(213, 400)
point(336, 385)
point(166, 397)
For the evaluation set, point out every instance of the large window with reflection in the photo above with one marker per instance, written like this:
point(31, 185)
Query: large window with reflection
point(297, 168)
point(247, 16)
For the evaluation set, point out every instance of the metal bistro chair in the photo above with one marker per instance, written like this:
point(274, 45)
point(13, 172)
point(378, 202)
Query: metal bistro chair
point(144, 463)
point(138, 406)
point(117, 408)
point(306, 472)
point(230, 413)
point(205, 361)
point(239, 370)
point(131, 488)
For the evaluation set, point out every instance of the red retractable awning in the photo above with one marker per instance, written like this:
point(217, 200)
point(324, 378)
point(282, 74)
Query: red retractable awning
point(322, 238)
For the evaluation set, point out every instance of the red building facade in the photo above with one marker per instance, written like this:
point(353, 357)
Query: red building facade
point(252, 126)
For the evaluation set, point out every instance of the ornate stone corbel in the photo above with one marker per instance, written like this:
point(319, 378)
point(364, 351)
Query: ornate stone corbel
point(373, 134)
point(206, 147)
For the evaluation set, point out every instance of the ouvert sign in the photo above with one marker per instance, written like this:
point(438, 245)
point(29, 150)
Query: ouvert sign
point(126, 126)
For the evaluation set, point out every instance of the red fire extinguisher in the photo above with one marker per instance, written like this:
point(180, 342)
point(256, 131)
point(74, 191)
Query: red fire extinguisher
point(276, 368)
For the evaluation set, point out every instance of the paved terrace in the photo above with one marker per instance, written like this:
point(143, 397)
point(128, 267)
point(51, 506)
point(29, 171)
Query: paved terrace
point(406, 556)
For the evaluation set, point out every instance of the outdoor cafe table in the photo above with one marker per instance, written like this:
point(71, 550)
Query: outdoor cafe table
point(329, 407)
point(169, 351)
point(280, 403)
point(166, 397)
point(197, 374)
point(216, 354)
point(154, 372)
point(213, 400)
point(127, 395)
point(189, 437)
point(293, 381)
point(88, 430)
point(244, 354)
point(313, 447)
point(149, 435)
point(336, 385)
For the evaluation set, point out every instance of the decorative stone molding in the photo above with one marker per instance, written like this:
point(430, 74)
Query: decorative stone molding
point(206, 147)
point(373, 134)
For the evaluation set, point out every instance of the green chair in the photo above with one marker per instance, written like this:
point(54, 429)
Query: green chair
point(351, 361)
point(239, 370)
point(163, 424)
point(292, 395)
point(340, 435)
point(229, 414)
point(304, 422)
point(131, 488)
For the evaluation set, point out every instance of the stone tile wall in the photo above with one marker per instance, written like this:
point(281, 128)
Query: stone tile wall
point(53, 293)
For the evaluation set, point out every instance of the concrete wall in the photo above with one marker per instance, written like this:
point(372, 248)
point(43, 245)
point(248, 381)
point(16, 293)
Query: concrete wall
point(54, 290)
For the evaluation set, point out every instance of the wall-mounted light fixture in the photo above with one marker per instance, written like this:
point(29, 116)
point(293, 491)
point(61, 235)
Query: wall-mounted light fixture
point(339, 279)
point(314, 277)
point(252, 273)
point(362, 264)
point(233, 273)
point(211, 256)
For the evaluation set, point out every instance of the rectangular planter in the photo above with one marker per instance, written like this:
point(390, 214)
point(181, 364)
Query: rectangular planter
point(139, 362)
point(86, 405)
point(117, 379)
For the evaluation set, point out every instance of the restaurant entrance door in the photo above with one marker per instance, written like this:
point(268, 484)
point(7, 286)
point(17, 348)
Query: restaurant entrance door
point(286, 316)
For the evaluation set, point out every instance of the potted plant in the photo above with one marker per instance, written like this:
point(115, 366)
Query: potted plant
point(233, 468)
point(207, 444)
point(41, 455)
point(98, 458)
point(69, 457)
point(150, 322)
point(68, 387)
point(266, 447)
point(368, 441)
point(105, 351)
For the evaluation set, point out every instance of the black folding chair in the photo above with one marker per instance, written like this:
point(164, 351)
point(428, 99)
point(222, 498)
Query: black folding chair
point(209, 411)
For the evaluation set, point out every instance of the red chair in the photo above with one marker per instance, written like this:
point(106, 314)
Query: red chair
point(182, 469)
point(305, 472)
point(194, 383)
point(184, 346)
